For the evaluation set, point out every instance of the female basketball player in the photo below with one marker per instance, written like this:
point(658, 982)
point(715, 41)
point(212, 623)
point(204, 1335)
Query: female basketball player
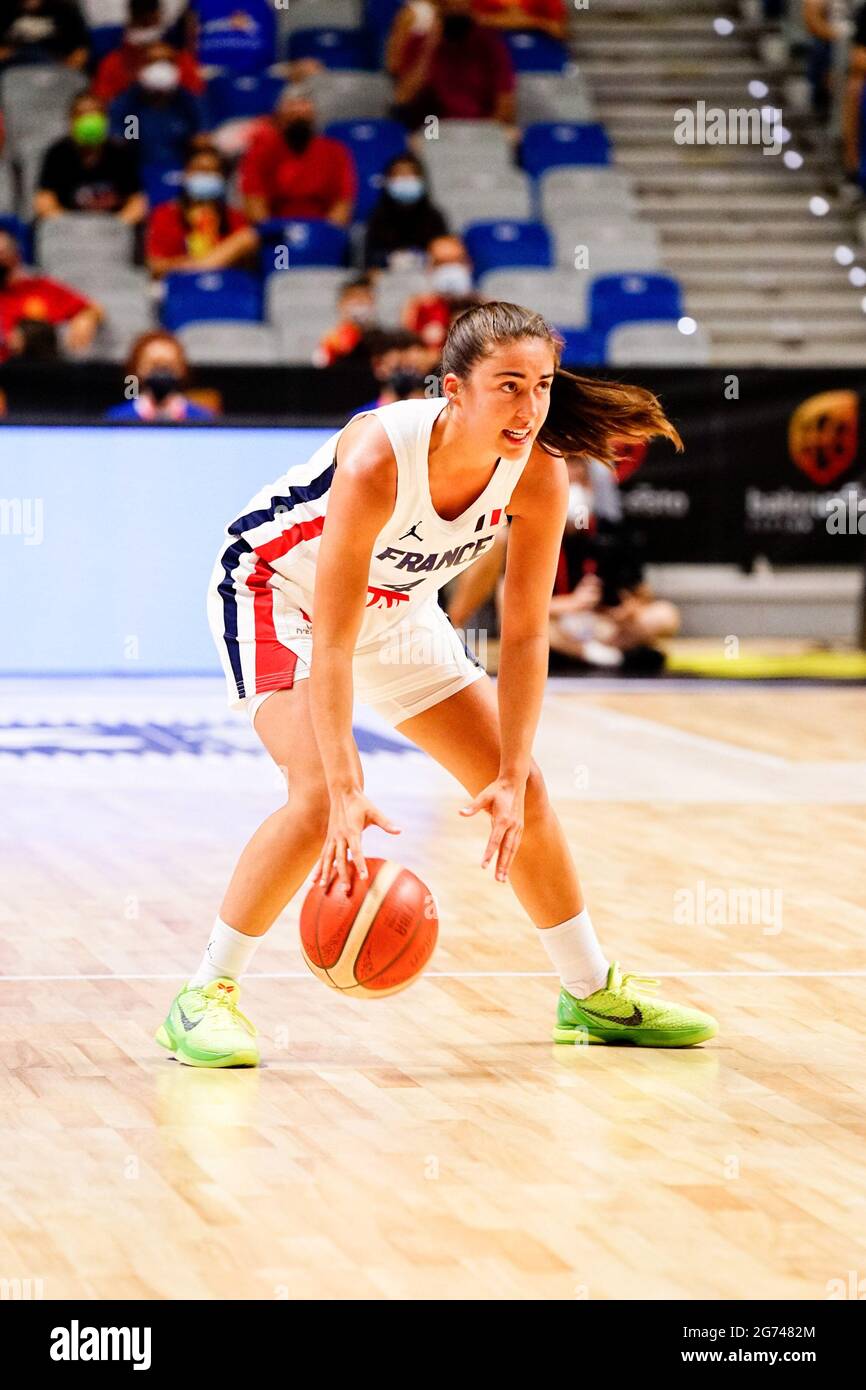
point(333, 571)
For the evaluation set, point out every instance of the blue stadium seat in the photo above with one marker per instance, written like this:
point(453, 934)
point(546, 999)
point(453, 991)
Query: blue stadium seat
point(373, 144)
point(310, 242)
point(238, 35)
point(161, 184)
point(550, 144)
point(379, 15)
point(23, 234)
point(501, 244)
point(336, 48)
point(230, 96)
point(531, 52)
point(212, 294)
point(584, 347)
point(104, 38)
point(617, 299)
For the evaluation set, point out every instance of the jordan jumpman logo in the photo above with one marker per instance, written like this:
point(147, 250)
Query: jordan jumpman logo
point(413, 531)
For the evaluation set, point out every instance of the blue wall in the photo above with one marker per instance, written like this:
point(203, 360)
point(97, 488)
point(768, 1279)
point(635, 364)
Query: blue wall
point(132, 521)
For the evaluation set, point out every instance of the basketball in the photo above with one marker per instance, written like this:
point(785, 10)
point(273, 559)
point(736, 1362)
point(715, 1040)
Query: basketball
point(374, 939)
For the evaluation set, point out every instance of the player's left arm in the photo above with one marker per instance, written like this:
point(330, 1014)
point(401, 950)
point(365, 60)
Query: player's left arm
point(538, 507)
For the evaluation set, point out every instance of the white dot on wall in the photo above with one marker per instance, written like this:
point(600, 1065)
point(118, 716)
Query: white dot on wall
point(792, 159)
point(758, 89)
point(687, 325)
point(857, 276)
point(843, 255)
point(723, 26)
point(819, 206)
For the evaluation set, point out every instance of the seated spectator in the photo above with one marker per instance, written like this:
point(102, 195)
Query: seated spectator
point(853, 99)
point(445, 64)
point(356, 315)
point(120, 69)
point(87, 171)
point(157, 375)
point(543, 16)
point(404, 219)
point(43, 31)
point(164, 115)
point(37, 299)
point(431, 314)
point(400, 363)
point(291, 171)
point(199, 231)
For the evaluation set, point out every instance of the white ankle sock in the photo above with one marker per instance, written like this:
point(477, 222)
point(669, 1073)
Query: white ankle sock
point(228, 953)
point(577, 957)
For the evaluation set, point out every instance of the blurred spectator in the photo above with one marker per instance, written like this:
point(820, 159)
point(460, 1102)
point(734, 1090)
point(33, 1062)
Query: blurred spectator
point(404, 219)
point(544, 16)
point(817, 16)
point(853, 98)
point(445, 64)
point(356, 315)
point(120, 69)
point(401, 364)
point(158, 373)
point(430, 315)
point(43, 31)
point(38, 299)
point(89, 172)
point(164, 115)
point(291, 171)
point(199, 231)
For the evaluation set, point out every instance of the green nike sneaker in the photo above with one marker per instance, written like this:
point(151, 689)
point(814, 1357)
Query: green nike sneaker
point(205, 1028)
point(622, 1013)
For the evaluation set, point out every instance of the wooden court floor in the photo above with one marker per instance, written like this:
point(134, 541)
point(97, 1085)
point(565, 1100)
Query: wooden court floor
point(437, 1144)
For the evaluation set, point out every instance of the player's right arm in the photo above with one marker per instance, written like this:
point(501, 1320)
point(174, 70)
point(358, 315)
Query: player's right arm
point(360, 501)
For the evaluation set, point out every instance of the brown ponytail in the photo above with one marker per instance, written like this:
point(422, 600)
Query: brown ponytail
point(587, 415)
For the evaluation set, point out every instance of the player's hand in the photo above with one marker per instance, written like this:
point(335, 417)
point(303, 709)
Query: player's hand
point(351, 813)
point(503, 801)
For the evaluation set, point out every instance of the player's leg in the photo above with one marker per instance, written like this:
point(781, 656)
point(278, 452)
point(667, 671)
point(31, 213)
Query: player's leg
point(204, 1026)
point(597, 1003)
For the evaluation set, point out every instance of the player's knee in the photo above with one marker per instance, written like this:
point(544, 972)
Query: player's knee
point(536, 801)
point(313, 804)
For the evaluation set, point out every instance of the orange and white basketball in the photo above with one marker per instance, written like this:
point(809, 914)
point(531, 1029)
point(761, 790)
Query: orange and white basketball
point(374, 939)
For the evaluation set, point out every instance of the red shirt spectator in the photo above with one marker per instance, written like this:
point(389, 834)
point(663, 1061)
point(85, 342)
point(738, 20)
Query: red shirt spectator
point(552, 10)
point(292, 184)
point(36, 297)
point(119, 70)
point(170, 235)
point(466, 78)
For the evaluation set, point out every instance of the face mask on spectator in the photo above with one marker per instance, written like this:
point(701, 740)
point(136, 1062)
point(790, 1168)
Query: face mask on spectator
point(139, 37)
point(361, 314)
point(452, 279)
point(204, 187)
point(298, 134)
point(405, 188)
point(90, 128)
point(161, 76)
point(455, 27)
point(161, 383)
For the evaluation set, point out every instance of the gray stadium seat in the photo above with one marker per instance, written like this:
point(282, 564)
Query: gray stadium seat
point(365, 96)
point(611, 246)
point(255, 344)
point(393, 288)
point(7, 187)
point(461, 147)
point(35, 101)
point(298, 342)
point(505, 194)
point(657, 345)
point(318, 14)
point(76, 238)
point(543, 96)
point(593, 192)
point(560, 295)
point(128, 313)
point(311, 291)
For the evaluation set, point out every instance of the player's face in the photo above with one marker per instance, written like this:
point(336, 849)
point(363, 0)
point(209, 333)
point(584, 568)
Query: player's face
point(508, 393)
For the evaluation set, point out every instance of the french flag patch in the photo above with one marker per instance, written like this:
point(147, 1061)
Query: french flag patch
point(494, 518)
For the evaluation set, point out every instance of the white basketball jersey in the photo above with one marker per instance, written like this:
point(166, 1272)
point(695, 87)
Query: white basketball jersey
point(276, 542)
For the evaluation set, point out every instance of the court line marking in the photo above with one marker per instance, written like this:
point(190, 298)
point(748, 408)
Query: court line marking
point(476, 975)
